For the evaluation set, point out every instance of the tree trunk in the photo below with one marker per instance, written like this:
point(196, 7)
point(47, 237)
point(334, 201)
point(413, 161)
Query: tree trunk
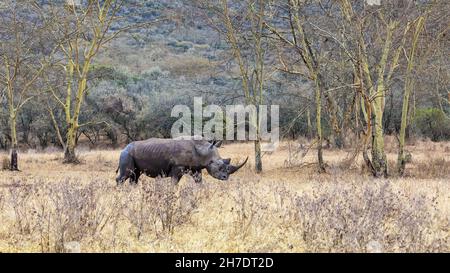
point(336, 130)
point(256, 124)
point(339, 141)
point(69, 155)
point(309, 124)
point(401, 160)
point(69, 151)
point(409, 83)
point(379, 161)
point(321, 166)
point(14, 159)
point(258, 161)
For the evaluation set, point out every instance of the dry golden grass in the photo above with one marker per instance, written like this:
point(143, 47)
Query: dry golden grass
point(54, 207)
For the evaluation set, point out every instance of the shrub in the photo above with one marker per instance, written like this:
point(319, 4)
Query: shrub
point(181, 46)
point(159, 206)
point(433, 168)
point(432, 123)
point(153, 73)
point(369, 217)
point(63, 212)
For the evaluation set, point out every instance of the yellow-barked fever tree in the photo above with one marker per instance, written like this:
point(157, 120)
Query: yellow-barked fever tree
point(24, 56)
point(83, 28)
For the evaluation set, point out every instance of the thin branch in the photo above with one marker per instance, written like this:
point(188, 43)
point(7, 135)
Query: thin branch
point(89, 123)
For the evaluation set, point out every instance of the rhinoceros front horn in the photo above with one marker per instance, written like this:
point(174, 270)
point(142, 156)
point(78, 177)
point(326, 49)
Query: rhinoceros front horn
point(232, 169)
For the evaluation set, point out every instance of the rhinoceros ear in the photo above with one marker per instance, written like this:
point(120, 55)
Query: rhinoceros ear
point(204, 150)
point(212, 143)
point(211, 146)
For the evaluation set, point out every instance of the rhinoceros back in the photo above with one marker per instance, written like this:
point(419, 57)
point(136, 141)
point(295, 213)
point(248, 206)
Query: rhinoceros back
point(157, 156)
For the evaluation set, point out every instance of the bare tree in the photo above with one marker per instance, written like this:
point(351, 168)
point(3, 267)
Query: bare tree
point(22, 61)
point(373, 39)
point(245, 33)
point(84, 27)
point(408, 86)
point(294, 35)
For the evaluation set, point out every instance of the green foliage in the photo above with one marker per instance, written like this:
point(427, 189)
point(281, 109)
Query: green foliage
point(104, 72)
point(432, 123)
point(181, 46)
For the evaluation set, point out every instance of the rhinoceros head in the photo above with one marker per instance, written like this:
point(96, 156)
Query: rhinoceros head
point(221, 168)
point(217, 167)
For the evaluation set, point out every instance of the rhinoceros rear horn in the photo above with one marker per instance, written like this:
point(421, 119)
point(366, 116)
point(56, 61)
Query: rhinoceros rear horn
point(232, 169)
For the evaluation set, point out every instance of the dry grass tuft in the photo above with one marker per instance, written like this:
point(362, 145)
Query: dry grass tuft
point(351, 217)
point(437, 167)
point(6, 163)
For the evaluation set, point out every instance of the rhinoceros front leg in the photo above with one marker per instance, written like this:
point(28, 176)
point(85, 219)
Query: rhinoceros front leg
point(176, 173)
point(197, 176)
point(134, 178)
point(126, 169)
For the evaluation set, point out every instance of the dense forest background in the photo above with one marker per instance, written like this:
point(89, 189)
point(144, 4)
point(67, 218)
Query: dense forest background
point(167, 52)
